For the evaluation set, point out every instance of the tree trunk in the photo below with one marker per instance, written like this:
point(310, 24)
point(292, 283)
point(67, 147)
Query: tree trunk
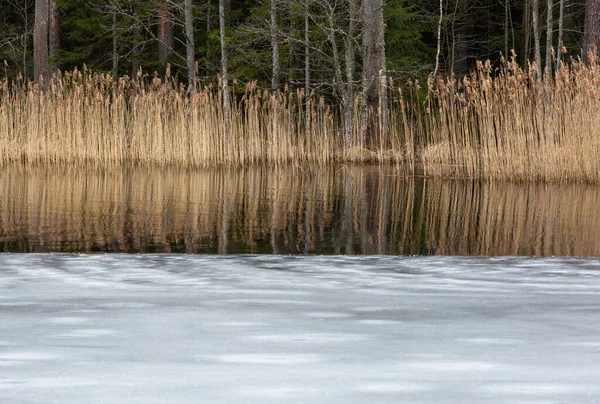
point(536, 38)
point(548, 69)
point(275, 48)
point(275, 68)
point(40, 40)
point(190, 46)
point(115, 53)
point(166, 39)
point(224, 76)
point(506, 9)
point(591, 31)
point(526, 31)
point(561, 18)
point(374, 125)
point(439, 39)
point(137, 38)
point(350, 71)
point(338, 85)
point(54, 32)
point(307, 74)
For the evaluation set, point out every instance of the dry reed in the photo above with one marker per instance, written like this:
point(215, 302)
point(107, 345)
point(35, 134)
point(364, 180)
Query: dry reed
point(501, 124)
point(86, 119)
point(494, 123)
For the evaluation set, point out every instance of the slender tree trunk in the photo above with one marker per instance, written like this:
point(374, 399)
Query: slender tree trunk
point(374, 80)
point(591, 31)
point(25, 39)
point(439, 39)
point(536, 38)
point(340, 88)
point(549, 21)
point(115, 52)
point(338, 82)
point(275, 68)
point(224, 76)
point(307, 73)
point(166, 38)
point(526, 31)
point(275, 48)
point(190, 46)
point(54, 32)
point(208, 29)
point(560, 34)
point(40, 40)
point(506, 10)
point(350, 71)
point(137, 38)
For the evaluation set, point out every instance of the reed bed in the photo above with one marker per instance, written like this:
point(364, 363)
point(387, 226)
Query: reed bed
point(88, 119)
point(500, 123)
point(496, 123)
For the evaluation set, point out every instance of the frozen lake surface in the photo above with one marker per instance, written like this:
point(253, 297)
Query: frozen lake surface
point(271, 329)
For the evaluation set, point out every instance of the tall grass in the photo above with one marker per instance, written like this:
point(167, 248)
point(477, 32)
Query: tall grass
point(85, 118)
point(502, 124)
point(493, 123)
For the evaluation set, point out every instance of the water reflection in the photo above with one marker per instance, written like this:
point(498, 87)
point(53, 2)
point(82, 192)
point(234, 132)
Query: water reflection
point(343, 210)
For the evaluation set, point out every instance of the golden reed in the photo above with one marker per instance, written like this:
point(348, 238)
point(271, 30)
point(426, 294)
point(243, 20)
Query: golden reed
point(502, 124)
point(494, 123)
point(84, 118)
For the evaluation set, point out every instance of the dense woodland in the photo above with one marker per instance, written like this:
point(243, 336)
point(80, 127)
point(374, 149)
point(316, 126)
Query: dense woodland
point(319, 44)
point(203, 82)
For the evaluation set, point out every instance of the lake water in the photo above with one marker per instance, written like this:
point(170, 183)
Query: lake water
point(292, 211)
point(254, 327)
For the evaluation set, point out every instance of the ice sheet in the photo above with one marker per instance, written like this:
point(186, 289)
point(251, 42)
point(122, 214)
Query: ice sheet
point(272, 329)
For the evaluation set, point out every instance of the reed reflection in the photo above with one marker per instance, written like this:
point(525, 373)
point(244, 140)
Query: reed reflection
point(346, 210)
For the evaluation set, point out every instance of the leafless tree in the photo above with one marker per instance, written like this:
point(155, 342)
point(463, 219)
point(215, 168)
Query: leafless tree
point(536, 37)
point(439, 39)
point(224, 75)
point(40, 40)
point(166, 38)
point(22, 35)
point(591, 31)
point(549, 20)
point(190, 46)
point(374, 115)
point(54, 31)
point(275, 47)
point(561, 19)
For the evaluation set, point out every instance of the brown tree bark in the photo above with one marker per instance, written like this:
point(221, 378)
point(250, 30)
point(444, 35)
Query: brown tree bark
point(591, 31)
point(137, 38)
point(536, 37)
point(549, 21)
point(54, 32)
point(307, 75)
point(526, 31)
point(224, 74)
point(374, 115)
point(275, 48)
point(166, 39)
point(40, 40)
point(350, 70)
point(190, 46)
point(560, 34)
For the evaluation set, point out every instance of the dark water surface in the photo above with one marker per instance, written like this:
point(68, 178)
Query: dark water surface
point(343, 210)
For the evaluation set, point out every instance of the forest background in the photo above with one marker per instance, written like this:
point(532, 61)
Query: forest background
point(349, 55)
